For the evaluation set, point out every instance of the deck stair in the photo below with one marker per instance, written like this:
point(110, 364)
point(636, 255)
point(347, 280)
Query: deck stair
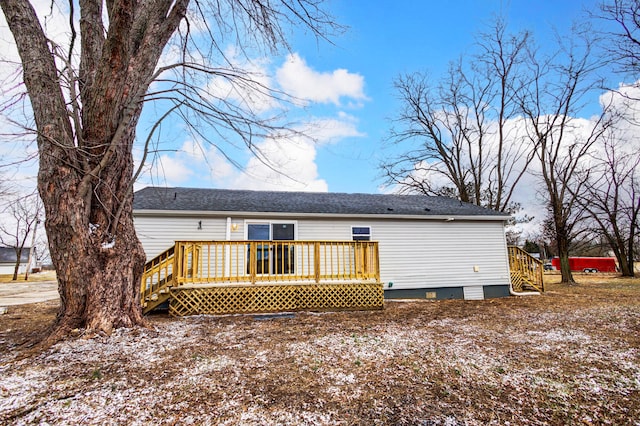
point(527, 272)
point(157, 280)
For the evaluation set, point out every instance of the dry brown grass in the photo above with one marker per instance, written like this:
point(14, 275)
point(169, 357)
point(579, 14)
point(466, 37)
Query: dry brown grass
point(38, 277)
point(570, 356)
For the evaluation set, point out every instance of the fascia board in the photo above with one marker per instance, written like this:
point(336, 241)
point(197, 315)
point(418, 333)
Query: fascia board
point(244, 214)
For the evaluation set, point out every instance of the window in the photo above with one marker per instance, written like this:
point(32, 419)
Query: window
point(271, 231)
point(282, 231)
point(277, 257)
point(258, 231)
point(361, 233)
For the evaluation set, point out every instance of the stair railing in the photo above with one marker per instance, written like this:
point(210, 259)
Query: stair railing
point(157, 278)
point(526, 270)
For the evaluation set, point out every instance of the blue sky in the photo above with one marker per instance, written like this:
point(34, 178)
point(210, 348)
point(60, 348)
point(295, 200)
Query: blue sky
point(346, 89)
point(404, 37)
point(349, 93)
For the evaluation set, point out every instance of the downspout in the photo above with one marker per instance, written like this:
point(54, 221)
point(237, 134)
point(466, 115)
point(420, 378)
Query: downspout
point(227, 236)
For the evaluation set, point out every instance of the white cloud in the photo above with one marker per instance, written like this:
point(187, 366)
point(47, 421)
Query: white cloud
point(297, 79)
point(332, 130)
point(289, 166)
point(252, 91)
point(286, 163)
point(291, 162)
point(171, 170)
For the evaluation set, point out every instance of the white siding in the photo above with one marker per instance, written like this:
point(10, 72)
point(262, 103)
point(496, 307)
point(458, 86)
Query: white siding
point(429, 254)
point(475, 292)
point(7, 269)
point(159, 233)
point(329, 230)
point(413, 253)
point(426, 253)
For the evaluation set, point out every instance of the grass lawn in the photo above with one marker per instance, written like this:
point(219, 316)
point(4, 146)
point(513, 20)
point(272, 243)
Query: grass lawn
point(33, 278)
point(570, 356)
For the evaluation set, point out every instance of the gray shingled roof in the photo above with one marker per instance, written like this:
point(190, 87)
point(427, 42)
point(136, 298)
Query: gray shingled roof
point(8, 255)
point(224, 200)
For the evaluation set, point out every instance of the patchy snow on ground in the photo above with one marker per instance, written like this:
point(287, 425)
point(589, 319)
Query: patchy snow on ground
point(552, 360)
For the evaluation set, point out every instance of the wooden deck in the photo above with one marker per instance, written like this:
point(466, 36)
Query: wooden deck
point(221, 277)
point(225, 277)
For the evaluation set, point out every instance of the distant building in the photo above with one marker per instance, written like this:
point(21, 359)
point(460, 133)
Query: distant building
point(8, 260)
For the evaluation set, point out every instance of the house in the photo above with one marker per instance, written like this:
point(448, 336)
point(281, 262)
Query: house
point(8, 260)
point(428, 247)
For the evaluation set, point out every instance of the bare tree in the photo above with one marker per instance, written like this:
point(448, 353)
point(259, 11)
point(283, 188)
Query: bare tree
point(23, 218)
point(87, 97)
point(6, 192)
point(551, 101)
point(464, 145)
point(611, 196)
point(625, 35)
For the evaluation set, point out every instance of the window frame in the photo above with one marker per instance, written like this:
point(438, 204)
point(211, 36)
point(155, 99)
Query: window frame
point(360, 236)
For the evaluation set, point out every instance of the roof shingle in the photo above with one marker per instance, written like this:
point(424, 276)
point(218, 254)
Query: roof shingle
point(225, 200)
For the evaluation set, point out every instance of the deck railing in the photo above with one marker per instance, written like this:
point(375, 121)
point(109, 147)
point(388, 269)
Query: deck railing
point(526, 270)
point(275, 261)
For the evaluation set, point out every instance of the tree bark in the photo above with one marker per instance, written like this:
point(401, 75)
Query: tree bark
point(16, 268)
point(98, 282)
point(565, 268)
point(85, 152)
point(86, 112)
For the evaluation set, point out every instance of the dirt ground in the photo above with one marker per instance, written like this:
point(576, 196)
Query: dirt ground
point(570, 356)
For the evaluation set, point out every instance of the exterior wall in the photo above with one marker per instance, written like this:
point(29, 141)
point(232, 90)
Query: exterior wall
point(414, 254)
point(443, 254)
point(427, 253)
point(7, 269)
point(159, 233)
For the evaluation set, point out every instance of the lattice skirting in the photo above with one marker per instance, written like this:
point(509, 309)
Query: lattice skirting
point(517, 280)
point(275, 298)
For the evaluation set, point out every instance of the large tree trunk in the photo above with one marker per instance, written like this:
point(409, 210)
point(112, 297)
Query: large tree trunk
point(623, 262)
point(98, 286)
point(98, 273)
point(629, 261)
point(562, 241)
point(565, 268)
point(85, 151)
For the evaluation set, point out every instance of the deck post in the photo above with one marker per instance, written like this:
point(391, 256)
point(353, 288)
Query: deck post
point(376, 259)
point(177, 261)
point(197, 250)
point(365, 259)
point(253, 260)
point(316, 261)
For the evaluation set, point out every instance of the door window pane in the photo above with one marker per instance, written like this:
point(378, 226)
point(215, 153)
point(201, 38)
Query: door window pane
point(283, 231)
point(258, 231)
